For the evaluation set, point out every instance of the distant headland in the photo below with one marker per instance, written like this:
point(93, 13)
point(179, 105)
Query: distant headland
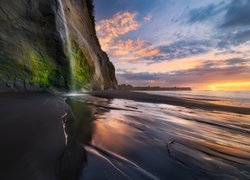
point(152, 88)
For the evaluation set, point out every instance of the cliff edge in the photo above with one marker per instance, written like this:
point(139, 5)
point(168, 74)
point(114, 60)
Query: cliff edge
point(51, 44)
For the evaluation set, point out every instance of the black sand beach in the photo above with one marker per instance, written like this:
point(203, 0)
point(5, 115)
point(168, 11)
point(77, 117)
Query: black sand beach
point(111, 136)
point(31, 135)
point(189, 103)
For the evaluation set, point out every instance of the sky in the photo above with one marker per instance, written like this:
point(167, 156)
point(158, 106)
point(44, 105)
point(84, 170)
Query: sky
point(200, 44)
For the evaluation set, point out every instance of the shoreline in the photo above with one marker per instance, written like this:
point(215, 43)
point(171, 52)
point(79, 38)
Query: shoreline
point(150, 98)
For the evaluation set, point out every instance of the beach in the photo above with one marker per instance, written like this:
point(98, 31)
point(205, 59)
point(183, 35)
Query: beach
point(121, 135)
point(32, 137)
point(178, 101)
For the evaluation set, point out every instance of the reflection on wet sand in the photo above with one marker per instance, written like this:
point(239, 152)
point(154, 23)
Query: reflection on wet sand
point(78, 129)
point(123, 139)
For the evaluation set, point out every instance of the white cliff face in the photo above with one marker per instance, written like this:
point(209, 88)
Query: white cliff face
point(51, 44)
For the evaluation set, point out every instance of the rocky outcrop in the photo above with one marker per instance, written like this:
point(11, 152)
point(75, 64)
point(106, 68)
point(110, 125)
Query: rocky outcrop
point(51, 44)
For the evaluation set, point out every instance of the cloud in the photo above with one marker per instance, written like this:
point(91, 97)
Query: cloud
point(120, 24)
point(110, 32)
point(234, 38)
point(148, 18)
point(210, 72)
point(207, 12)
point(143, 76)
point(226, 15)
point(133, 49)
point(232, 62)
point(238, 14)
point(141, 50)
point(181, 49)
point(201, 14)
point(235, 61)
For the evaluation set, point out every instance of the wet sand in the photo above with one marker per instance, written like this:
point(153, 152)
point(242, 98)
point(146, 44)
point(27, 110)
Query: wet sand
point(121, 135)
point(184, 102)
point(127, 139)
point(31, 136)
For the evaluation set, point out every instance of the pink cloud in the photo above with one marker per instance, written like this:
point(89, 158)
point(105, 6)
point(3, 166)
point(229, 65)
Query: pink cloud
point(132, 48)
point(120, 24)
point(110, 32)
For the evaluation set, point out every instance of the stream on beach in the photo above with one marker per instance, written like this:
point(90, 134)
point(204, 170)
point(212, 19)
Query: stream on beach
point(125, 139)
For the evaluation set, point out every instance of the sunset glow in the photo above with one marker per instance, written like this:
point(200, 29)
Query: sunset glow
point(202, 44)
point(230, 86)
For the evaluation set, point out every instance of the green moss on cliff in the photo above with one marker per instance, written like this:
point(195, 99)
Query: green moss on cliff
point(37, 68)
point(42, 68)
point(4, 71)
point(82, 71)
point(12, 71)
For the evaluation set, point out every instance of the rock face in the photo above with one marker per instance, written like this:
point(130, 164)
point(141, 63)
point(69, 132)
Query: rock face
point(51, 44)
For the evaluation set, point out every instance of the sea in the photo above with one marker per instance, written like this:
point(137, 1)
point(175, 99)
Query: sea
point(125, 139)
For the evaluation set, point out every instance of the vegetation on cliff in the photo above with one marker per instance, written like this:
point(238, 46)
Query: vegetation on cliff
point(82, 70)
point(33, 40)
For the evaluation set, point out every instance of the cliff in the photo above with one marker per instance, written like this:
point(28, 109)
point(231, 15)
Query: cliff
point(51, 44)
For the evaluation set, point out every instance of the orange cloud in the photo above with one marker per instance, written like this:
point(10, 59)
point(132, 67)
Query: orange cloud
point(110, 31)
point(120, 24)
point(132, 49)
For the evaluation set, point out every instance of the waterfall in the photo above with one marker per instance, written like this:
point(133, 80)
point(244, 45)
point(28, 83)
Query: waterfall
point(66, 39)
point(65, 26)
